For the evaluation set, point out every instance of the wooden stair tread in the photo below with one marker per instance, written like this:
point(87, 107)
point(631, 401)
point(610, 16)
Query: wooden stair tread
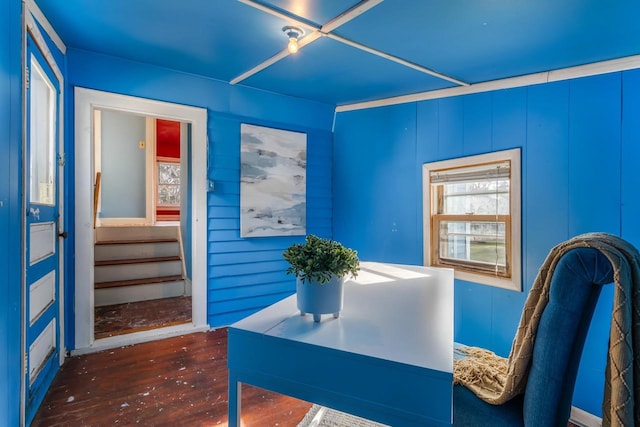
point(134, 241)
point(145, 281)
point(136, 260)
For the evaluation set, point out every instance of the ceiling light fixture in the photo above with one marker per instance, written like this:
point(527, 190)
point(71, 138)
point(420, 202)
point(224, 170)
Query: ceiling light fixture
point(293, 33)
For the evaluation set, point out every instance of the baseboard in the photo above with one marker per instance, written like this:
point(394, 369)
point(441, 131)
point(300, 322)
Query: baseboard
point(584, 419)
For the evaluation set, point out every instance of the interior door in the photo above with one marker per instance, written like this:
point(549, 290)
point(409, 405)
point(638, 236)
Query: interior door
point(42, 288)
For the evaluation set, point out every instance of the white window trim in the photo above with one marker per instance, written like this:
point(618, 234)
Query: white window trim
point(515, 281)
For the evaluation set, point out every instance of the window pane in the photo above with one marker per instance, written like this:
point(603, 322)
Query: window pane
point(168, 195)
point(169, 173)
point(168, 184)
point(480, 198)
point(42, 137)
point(478, 242)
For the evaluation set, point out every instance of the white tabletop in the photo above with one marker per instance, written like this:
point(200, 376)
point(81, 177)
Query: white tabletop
point(394, 312)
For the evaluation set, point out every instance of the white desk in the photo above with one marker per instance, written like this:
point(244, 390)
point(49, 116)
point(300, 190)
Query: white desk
point(389, 357)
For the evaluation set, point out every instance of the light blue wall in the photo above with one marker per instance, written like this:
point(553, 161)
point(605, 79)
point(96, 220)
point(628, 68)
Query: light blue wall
point(123, 166)
point(579, 143)
point(10, 210)
point(244, 275)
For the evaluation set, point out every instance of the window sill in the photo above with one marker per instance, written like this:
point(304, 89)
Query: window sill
point(511, 284)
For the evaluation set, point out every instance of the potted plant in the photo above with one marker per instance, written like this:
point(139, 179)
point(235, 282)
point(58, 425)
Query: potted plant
point(320, 266)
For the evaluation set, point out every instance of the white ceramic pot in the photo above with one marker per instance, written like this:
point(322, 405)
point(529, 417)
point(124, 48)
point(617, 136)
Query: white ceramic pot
point(320, 298)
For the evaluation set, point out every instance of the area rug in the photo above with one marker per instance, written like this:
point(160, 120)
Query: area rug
point(319, 416)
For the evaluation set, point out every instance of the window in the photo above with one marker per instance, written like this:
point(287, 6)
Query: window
point(472, 217)
point(168, 184)
point(42, 163)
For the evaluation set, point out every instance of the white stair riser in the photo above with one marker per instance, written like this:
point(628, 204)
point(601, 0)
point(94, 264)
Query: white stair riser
point(112, 273)
point(125, 294)
point(135, 233)
point(119, 251)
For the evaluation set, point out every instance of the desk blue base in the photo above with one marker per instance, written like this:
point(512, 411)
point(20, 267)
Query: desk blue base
point(388, 392)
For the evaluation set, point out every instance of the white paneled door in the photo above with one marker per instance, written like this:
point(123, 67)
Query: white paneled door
point(42, 293)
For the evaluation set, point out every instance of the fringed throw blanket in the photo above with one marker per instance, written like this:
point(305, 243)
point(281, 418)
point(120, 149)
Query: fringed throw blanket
point(496, 379)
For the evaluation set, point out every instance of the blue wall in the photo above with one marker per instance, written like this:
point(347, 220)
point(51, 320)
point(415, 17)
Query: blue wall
point(579, 143)
point(10, 210)
point(244, 275)
point(247, 274)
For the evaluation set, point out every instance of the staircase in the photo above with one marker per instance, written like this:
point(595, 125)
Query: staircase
point(137, 264)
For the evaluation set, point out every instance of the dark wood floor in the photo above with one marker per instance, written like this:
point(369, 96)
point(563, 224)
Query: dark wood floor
point(178, 381)
point(141, 316)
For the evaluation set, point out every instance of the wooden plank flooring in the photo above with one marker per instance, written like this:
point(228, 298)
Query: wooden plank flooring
point(138, 316)
point(178, 381)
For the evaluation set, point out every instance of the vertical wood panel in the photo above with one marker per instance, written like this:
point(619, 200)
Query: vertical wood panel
point(594, 154)
point(509, 119)
point(475, 304)
point(450, 128)
point(478, 123)
point(546, 183)
point(630, 156)
point(427, 132)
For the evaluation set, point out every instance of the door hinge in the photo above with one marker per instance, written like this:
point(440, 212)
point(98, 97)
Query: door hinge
point(26, 77)
point(61, 159)
point(26, 362)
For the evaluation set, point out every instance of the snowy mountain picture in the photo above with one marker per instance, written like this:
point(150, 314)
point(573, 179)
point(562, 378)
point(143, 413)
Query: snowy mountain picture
point(273, 182)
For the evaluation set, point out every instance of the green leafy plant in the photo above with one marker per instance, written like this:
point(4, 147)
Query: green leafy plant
point(318, 259)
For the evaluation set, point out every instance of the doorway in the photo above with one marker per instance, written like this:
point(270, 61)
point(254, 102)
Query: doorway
point(141, 280)
point(192, 226)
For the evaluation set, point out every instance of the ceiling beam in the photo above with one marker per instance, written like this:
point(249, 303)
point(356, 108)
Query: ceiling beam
point(348, 15)
point(397, 60)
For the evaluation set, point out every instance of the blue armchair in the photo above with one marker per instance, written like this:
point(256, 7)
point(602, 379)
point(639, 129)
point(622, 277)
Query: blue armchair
point(575, 287)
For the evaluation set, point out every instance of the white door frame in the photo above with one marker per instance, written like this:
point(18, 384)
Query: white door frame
point(86, 101)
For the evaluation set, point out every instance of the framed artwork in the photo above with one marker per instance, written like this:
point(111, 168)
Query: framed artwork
point(273, 182)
